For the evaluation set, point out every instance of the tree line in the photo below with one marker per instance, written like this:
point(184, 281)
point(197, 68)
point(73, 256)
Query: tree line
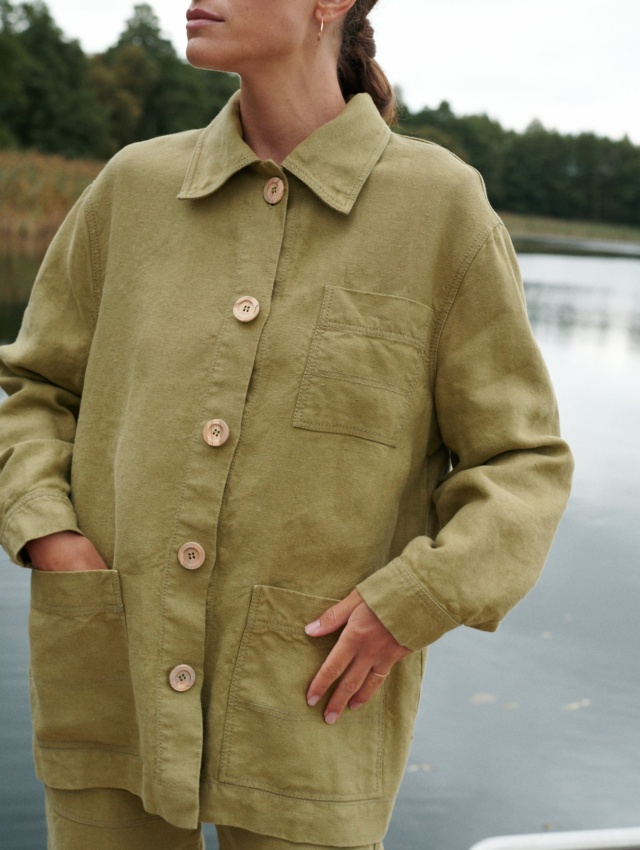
point(56, 99)
point(541, 171)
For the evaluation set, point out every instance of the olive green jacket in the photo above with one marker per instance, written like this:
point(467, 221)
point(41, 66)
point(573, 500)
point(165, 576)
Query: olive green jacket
point(391, 426)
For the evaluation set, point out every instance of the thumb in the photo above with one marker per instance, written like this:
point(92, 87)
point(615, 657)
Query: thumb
point(334, 617)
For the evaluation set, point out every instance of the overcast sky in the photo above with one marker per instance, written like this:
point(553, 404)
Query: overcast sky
point(572, 64)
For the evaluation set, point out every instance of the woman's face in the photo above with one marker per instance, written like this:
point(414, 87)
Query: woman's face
point(235, 35)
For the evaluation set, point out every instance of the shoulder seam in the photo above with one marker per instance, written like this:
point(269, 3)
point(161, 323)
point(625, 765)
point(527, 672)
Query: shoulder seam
point(455, 156)
point(452, 293)
point(96, 255)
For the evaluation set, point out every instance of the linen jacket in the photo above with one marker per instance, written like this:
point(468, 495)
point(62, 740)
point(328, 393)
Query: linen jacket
point(391, 426)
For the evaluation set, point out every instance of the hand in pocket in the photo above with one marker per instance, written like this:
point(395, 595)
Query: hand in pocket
point(359, 662)
point(64, 551)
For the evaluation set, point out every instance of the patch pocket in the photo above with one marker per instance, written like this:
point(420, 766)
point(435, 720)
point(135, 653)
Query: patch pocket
point(81, 690)
point(272, 739)
point(366, 356)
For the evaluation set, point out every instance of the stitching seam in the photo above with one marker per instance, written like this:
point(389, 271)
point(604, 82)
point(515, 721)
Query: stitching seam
point(97, 274)
point(366, 330)
point(365, 382)
point(465, 265)
point(412, 584)
point(45, 495)
point(376, 153)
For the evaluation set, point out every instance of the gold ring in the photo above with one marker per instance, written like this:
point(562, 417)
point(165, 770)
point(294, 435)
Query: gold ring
point(381, 675)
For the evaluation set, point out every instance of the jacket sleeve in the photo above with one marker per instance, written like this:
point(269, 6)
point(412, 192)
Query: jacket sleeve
point(499, 506)
point(42, 373)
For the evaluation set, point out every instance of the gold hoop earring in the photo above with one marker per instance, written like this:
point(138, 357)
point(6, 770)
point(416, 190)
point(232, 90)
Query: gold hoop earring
point(321, 30)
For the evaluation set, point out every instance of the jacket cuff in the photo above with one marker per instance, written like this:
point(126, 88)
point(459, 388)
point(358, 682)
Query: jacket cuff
point(404, 607)
point(36, 515)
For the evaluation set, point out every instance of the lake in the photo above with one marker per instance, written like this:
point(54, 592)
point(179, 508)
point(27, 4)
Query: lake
point(538, 726)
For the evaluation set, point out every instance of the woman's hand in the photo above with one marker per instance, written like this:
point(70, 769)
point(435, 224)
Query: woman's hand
point(64, 552)
point(361, 659)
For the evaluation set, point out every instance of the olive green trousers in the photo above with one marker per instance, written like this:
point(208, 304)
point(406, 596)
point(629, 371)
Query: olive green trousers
point(111, 819)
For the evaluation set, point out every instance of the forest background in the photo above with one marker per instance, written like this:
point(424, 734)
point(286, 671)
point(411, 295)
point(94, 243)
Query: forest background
point(56, 100)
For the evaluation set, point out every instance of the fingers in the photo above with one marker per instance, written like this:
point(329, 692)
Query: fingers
point(335, 664)
point(334, 617)
point(357, 684)
point(359, 662)
point(371, 684)
point(350, 667)
point(351, 682)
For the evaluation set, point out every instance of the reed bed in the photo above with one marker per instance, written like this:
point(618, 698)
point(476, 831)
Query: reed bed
point(36, 192)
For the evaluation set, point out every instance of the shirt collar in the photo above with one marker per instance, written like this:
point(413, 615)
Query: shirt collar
point(334, 161)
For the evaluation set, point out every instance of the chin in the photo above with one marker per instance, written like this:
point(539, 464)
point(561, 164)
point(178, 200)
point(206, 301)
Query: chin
point(202, 55)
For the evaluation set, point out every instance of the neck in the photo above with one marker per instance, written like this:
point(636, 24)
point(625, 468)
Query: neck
point(279, 111)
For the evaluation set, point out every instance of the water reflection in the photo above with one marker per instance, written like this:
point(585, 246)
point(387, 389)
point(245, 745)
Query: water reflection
point(592, 300)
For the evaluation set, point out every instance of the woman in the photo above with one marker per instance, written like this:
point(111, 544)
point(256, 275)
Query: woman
point(276, 423)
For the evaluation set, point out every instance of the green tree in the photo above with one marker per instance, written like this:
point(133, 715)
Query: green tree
point(484, 141)
point(14, 62)
point(169, 95)
point(533, 164)
point(434, 125)
point(618, 181)
point(143, 30)
point(53, 107)
point(55, 99)
point(123, 84)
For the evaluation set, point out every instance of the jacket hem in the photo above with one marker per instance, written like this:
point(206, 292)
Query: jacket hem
point(70, 769)
point(328, 823)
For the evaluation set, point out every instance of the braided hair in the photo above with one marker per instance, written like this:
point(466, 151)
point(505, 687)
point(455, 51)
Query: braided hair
point(357, 69)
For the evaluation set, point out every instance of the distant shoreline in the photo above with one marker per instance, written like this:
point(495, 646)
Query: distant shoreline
point(575, 246)
point(540, 235)
point(38, 190)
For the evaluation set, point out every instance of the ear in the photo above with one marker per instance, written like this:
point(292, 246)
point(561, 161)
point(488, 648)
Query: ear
point(332, 10)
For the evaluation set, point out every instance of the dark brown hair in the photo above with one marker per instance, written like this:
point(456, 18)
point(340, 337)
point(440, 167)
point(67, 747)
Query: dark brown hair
point(357, 69)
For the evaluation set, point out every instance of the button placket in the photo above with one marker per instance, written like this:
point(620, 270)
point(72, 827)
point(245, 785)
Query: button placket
point(229, 368)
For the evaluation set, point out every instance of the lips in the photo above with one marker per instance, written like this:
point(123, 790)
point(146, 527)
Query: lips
point(202, 15)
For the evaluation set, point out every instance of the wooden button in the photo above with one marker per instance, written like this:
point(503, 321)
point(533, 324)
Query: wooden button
point(182, 678)
point(246, 308)
point(216, 432)
point(274, 190)
point(191, 556)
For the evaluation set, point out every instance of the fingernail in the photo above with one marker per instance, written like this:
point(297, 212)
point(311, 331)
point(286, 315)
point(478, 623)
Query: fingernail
point(331, 717)
point(355, 705)
point(313, 628)
point(314, 700)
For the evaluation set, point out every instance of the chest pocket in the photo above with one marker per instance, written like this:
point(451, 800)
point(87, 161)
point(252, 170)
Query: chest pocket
point(366, 357)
